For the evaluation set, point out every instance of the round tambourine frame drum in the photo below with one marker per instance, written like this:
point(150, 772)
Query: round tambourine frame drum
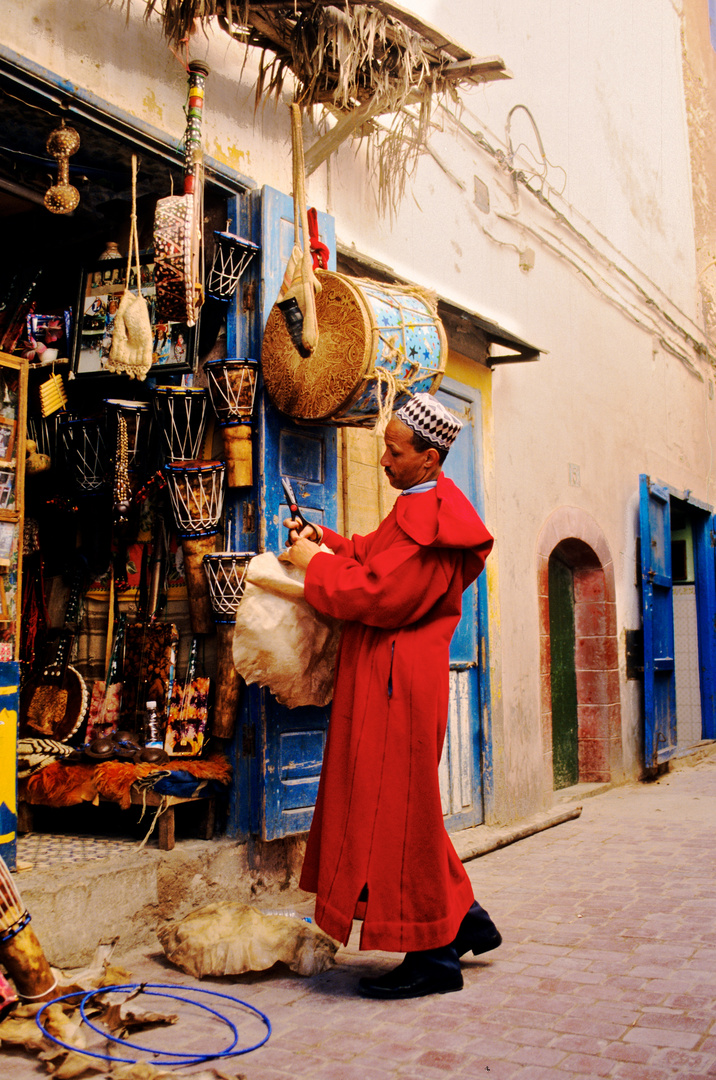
point(226, 575)
point(196, 491)
point(181, 413)
point(38, 716)
point(373, 339)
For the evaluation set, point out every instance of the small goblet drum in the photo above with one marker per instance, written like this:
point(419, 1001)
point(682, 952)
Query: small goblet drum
point(196, 490)
point(226, 574)
point(232, 255)
point(232, 388)
point(181, 419)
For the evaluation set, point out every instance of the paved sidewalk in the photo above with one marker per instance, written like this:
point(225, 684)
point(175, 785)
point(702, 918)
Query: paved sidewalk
point(608, 966)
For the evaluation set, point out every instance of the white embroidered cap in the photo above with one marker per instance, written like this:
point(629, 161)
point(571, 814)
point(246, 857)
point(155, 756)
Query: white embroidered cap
point(429, 419)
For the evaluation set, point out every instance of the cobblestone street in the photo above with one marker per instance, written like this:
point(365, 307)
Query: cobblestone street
point(608, 966)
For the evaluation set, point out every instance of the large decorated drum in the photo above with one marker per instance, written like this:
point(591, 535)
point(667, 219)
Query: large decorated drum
point(375, 341)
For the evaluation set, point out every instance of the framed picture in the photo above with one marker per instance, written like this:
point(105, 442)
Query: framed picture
point(7, 489)
point(101, 288)
point(8, 530)
point(49, 335)
point(7, 438)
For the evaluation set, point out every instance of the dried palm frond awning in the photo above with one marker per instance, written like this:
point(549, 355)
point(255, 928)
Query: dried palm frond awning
point(358, 60)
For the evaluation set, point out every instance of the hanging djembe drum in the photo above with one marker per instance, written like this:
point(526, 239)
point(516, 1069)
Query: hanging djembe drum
point(232, 255)
point(232, 388)
point(86, 455)
point(178, 222)
point(378, 344)
point(196, 490)
point(181, 421)
point(136, 418)
point(226, 573)
point(20, 952)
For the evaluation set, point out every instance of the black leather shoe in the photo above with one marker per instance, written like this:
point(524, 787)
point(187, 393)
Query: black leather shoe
point(433, 971)
point(477, 933)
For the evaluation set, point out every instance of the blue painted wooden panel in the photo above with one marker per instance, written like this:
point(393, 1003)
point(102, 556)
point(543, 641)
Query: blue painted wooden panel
point(658, 617)
point(291, 740)
point(243, 338)
point(705, 574)
point(463, 754)
point(9, 705)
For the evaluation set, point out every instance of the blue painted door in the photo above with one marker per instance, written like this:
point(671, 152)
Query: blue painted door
point(465, 754)
point(291, 741)
point(704, 532)
point(706, 607)
point(658, 619)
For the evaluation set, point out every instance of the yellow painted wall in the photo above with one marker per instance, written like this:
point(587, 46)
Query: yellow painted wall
point(366, 496)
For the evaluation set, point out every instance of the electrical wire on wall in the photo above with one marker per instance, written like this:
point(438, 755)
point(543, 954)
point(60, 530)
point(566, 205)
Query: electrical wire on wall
point(559, 246)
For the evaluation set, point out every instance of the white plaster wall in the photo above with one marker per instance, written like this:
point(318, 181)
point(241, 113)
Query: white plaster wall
point(604, 84)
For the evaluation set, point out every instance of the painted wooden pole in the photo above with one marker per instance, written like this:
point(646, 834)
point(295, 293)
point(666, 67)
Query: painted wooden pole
point(9, 705)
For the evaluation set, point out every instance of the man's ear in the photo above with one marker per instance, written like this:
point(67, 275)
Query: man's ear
point(433, 457)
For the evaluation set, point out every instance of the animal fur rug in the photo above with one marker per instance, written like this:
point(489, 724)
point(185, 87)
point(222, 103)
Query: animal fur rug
point(229, 938)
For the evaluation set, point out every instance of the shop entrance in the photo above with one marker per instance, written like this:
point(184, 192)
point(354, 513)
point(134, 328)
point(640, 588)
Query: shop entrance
point(56, 296)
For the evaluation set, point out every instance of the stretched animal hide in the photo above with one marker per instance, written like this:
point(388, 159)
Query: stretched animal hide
point(229, 938)
point(114, 779)
point(68, 785)
point(60, 785)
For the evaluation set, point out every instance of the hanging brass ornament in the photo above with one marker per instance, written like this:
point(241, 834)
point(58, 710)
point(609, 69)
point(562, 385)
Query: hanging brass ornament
point(62, 143)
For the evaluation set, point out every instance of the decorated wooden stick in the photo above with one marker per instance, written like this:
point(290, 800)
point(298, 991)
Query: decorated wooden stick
point(178, 222)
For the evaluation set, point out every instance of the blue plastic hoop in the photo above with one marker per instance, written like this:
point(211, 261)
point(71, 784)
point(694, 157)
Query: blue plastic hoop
point(174, 1057)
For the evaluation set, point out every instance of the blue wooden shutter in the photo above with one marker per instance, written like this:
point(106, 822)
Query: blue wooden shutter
point(292, 740)
point(705, 566)
point(658, 615)
point(462, 757)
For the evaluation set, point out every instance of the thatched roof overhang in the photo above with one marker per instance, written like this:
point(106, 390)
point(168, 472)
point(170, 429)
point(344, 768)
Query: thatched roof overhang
point(357, 60)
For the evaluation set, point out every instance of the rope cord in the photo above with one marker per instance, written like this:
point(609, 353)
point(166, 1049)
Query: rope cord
point(14, 930)
point(133, 245)
point(38, 997)
point(173, 1057)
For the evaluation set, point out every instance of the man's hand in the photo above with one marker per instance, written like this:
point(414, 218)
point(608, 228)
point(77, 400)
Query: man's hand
point(301, 552)
point(297, 532)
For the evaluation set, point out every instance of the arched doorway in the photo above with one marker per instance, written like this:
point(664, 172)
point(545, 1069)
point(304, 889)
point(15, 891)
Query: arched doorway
point(581, 708)
point(563, 673)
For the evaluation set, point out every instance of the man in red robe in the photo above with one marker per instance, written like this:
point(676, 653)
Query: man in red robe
point(378, 849)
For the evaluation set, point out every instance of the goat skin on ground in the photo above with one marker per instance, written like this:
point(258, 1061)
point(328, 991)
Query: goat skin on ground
point(229, 938)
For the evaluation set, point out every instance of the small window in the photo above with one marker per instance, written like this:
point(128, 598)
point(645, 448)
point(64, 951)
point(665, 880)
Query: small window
point(682, 548)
